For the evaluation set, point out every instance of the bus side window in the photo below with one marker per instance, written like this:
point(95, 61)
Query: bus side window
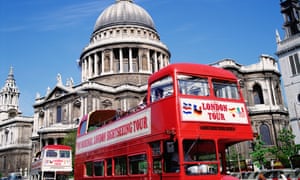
point(89, 168)
point(156, 157)
point(138, 164)
point(83, 128)
point(99, 168)
point(120, 166)
point(109, 167)
point(161, 89)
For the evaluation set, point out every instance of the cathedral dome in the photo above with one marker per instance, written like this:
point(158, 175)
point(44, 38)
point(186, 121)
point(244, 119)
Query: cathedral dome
point(124, 12)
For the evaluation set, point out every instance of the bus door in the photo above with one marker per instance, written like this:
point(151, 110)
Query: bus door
point(165, 160)
point(156, 160)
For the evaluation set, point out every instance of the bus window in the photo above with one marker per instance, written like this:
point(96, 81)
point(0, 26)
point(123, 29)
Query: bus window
point(109, 167)
point(89, 168)
point(192, 85)
point(156, 150)
point(156, 157)
point(200, 150)
point(83, 128)
point(99, 168)
point(201, 155)
point(227, 90)
point(138, 164)
point(161, 88)
point(64, 154)
point(51, 153)
point(120, 166)
point(157, 166)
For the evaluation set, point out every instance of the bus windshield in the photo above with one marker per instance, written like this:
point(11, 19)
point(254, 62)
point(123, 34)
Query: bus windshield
point(192, 85)
point(64, 154)
point(225, 89)
point(200, 157)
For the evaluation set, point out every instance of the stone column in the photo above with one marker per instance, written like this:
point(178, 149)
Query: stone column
point(90, 72)
point(102, 64)
point(272, 88)
point(130, 60)
point(155, 61)
point(96, 62)
point(111, 60)
point(161, 63)
point(268, 90)
point(121, 60)
point(148, 60)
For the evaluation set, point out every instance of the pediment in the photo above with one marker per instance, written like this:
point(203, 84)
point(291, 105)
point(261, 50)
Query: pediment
point(57, 92)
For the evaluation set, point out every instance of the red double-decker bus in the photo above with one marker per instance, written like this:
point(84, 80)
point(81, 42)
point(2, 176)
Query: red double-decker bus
point(192, 113)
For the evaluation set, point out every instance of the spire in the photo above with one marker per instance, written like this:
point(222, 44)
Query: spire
point(278, 39)
point(9, 94)
point(11, 73)
point(10, 81)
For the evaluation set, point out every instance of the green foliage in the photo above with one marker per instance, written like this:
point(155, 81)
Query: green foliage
point(70, 140)
point(232, 154)
point(259, 152)
point(235, 159)
point(286, 147)
point(286, 139)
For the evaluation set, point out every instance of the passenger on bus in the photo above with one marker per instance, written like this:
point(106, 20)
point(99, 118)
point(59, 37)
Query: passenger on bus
point(158, 93)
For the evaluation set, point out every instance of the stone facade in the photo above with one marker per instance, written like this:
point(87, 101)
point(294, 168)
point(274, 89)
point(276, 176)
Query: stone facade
point(261, 88)
point(288, 52)
point(15, 131)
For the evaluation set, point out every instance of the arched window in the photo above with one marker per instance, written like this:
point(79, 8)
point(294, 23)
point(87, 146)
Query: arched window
point(265, 134)
point(258, 94)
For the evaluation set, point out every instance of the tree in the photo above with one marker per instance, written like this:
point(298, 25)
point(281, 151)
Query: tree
point(286, 147)
point(70, 140)
point(258, 153)
point(235, 158)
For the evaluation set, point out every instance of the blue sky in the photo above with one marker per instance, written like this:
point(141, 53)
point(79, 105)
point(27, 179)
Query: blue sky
point(40, 39)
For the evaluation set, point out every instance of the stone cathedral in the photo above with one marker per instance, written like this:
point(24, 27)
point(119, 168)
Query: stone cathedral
point(123, 51)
